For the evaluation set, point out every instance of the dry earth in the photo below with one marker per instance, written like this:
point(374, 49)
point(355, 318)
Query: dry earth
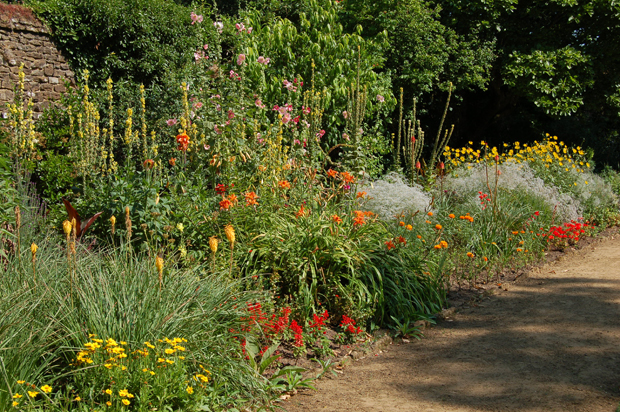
point(551, 342)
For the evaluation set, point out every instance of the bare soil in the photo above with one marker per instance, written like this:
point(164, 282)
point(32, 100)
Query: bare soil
point(547, 341)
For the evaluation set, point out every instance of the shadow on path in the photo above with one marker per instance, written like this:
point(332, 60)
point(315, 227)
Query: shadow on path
point(552, 343)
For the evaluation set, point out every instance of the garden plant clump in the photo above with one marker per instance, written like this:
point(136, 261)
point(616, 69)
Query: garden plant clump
point(169, 255)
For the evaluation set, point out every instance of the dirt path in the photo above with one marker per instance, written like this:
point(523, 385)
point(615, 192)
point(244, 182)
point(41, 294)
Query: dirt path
point(549, 343)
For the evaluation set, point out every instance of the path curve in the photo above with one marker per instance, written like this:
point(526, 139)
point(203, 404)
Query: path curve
point(549, 343)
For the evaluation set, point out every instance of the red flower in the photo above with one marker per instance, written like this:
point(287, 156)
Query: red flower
point(220, 189)
point(148, 164)
point(332, 173)
point(389, 244)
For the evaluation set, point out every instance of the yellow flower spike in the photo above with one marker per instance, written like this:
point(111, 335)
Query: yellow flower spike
point(66, 227)
point(229, 230)
point(33, 249)
point(213, 242)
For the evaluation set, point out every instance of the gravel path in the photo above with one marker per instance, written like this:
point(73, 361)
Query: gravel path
point(549, 343)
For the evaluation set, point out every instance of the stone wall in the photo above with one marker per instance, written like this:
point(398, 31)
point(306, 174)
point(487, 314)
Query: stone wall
point(25, 39)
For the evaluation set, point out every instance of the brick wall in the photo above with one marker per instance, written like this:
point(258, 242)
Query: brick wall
point(25, 39)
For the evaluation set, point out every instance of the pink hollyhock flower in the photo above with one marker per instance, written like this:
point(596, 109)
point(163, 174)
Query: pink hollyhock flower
point(196, 18)
point(171, 122)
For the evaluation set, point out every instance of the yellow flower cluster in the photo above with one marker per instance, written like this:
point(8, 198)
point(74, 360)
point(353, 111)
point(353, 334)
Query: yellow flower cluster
point(548, 152)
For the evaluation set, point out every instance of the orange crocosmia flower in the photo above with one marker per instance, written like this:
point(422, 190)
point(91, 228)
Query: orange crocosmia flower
point(438, 226)
point(360, 194)
point(347, 177)
point(519, 250)
point(225, 204)
point(515, 232)
point(172, 161)
point(430, 213)
point(469, 254)
point(368, 213)
point(401, 223)
point(233, 198)
point(409, 227)
point(451, 216)
point(332, 173)
point(402, 240)
point(284, 184)
point(389, 244)
point(336, 219)
point(250, 199)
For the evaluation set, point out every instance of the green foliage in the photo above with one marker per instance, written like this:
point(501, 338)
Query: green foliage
point(554, 80)
point(118, 294)
point(136, 40)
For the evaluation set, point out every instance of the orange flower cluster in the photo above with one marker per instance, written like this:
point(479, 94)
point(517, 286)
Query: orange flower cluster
point(250, 199)
point(347, 177)
point(360, 194)
point(302, 212)
point(228, 202)
point(359, 218)
point(284, 184)
point(332, 173)
point(182, 141)
point(336, 219)
point(390, 245)
point(467, 217)
point(442, 244)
